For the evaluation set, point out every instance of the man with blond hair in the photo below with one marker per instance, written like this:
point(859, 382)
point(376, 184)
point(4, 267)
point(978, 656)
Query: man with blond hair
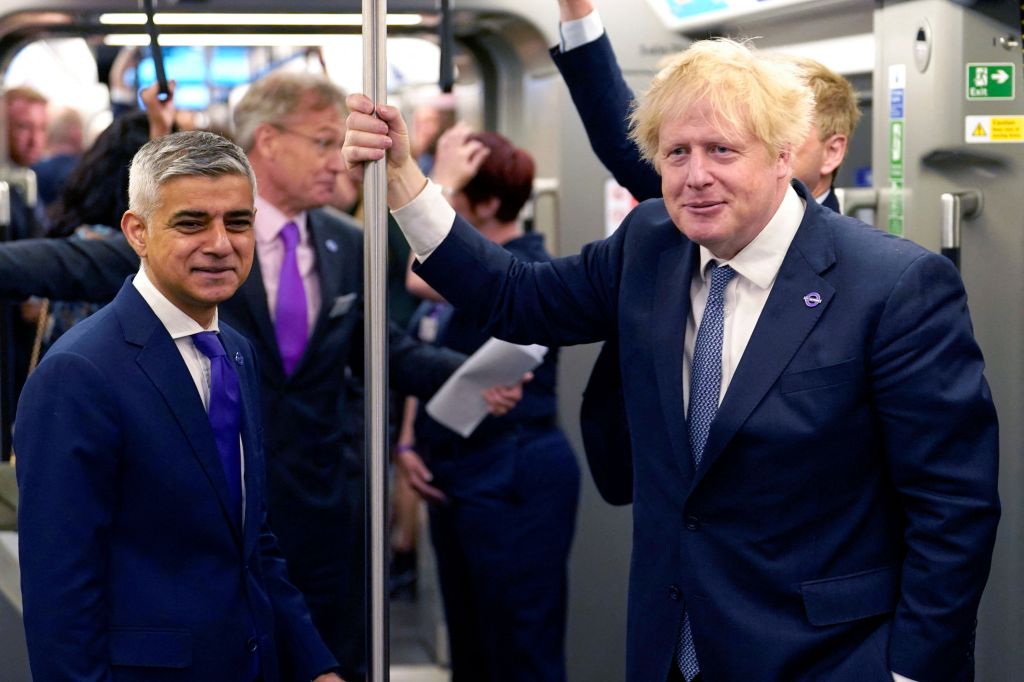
point(588, 65)
point(815, 445)
point(587, 62)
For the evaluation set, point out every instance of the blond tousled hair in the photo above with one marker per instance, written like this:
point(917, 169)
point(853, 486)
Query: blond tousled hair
point(748, 92)
point(835, 101)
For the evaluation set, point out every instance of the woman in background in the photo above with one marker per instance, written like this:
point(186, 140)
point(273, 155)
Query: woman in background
point(502, 501)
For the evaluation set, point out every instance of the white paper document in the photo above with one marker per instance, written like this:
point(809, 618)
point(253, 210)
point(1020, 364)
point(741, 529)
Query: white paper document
point(459, 404)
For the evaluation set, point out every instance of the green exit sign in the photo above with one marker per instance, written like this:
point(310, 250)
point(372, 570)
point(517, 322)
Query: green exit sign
point(990, 81)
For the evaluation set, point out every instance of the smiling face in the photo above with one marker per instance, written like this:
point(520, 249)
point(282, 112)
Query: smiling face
point(301, 158)
point(197, 245)
point(721, 187)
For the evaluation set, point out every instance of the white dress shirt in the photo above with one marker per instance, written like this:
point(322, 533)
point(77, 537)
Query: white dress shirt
point(578, 32)
point(756, 266)
point(270, 252)
point(181, 327)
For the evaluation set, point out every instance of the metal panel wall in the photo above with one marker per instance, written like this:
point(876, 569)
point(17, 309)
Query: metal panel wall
point(936, 160)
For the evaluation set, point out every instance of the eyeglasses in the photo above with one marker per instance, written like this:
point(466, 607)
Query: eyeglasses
point(324, 145)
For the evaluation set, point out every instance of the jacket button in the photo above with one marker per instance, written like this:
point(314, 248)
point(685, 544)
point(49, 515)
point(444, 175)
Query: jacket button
point(692, 522)
point(254, 644)
point(674, 593)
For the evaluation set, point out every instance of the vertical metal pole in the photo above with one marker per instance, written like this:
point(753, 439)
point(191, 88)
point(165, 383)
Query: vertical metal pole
point(375, 249)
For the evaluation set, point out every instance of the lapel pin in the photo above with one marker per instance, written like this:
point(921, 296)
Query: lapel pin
point(812, 300)
point(239, 360)
point(331, 245)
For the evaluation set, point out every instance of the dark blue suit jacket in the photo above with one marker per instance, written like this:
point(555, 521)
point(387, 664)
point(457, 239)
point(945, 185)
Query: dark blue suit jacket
point(306, 414)
point(603, 101)
point(842, 519)
point(131, 565)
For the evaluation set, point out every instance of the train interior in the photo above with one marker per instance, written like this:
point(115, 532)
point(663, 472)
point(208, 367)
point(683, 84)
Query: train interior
point(914, 157)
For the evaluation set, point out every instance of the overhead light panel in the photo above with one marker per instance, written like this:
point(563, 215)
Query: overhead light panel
point(218, 39)
point(248, 19)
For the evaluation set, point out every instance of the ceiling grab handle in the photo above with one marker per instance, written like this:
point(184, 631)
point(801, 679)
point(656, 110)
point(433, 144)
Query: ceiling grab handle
point(157, 52)
point(375, 297)
point(446, 80)
point(957, 206)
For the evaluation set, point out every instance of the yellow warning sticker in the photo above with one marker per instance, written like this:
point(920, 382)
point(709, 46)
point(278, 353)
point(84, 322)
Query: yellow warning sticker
point(993, 129)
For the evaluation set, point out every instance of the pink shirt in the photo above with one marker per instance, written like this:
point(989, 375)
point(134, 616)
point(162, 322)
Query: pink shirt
point(270, 253)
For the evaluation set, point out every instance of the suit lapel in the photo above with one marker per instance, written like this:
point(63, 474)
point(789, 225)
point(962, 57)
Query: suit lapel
point(160, 360)
point(329, 262)
point(672, 304)
point(254, 299)
point(782, 327)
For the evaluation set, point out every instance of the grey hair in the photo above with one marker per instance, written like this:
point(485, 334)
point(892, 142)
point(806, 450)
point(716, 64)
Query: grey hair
point(186, 154)
point(277, 96)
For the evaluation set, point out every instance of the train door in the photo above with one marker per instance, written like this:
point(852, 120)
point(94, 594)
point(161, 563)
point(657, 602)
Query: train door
point(949, 160)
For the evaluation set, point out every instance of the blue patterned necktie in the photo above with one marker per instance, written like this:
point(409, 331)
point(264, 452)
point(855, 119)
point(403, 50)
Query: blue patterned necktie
point(291, 318)
point(705, 387)
point(225, 415)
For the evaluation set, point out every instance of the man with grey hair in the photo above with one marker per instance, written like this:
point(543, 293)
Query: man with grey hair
point(144, 544)
point(301, 308)
point(815, 448)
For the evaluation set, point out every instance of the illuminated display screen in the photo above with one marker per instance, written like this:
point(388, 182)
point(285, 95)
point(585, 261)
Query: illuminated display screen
point(199, 72)
point(699, 14)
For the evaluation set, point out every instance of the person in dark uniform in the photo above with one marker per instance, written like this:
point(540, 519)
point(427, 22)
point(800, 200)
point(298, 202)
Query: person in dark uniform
point(504, 499)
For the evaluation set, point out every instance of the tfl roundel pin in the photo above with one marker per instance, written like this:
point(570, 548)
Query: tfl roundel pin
point(812, 300)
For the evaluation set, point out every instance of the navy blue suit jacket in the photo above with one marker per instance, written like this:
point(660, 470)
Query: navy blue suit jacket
point(132, 567)
point(603, 101)
point(306, 414)
point(842, 519)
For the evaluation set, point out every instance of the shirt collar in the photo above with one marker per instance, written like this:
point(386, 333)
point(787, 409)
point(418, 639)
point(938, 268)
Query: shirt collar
point(760, 260)
point(177, 323)
point(270, 219)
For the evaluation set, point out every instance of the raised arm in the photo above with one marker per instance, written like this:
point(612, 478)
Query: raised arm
point(66, 269)
point(603, 100)
point(560, 302)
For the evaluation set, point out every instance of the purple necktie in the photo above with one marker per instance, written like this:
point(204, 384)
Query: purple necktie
point(225, 415)
point(291, 324)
